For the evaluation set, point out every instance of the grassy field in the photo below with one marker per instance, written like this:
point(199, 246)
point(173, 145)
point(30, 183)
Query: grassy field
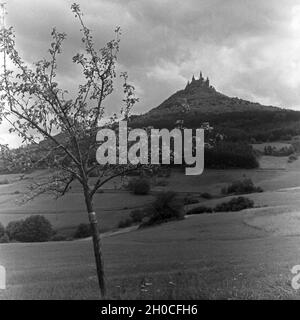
point(215, 256)
point(247, 254)
point(112, 205)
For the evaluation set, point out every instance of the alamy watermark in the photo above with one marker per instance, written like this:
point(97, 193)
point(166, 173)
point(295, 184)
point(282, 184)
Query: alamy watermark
point(296, 279)
point(135, 145)
point(2, 278)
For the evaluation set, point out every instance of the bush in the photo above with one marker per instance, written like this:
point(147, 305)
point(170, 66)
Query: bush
point(200, 210)
point(235, 204)
point(282, 152)
point(83, 231)
point(137, 215)
point(125, 223)
point(139, 186)
point(33, 229)
point(13, 229)
point(230, 155)
point(206, 195)
point(292, 158)
point(2, 230)
point(189, 199)
point(241, 186)
point(4, 238)
point(167, 206)
point(161, 183)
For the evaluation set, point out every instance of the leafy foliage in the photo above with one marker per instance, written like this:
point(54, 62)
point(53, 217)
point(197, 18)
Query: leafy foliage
point(138, 215)
point(59, 127)
point(190, 199)
point(241, 186)
point(139, 186)
point(235, 204)
point(166, 207)
point(230, 155)
point(4, 238)
point(83, 231)
point(248, 126)
point(206, 195)
point(2, 230)
point(38, 107)
point(13, 229)
point(199, 210)
point(33, 229)
point(282, 152)
point(125, 223)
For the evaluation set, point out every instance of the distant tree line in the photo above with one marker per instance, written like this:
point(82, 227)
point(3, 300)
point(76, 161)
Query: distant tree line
point(230, 155)
point(248, 126)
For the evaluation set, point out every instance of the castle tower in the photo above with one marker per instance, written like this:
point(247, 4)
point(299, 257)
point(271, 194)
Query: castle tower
point(201, 77)
point(207, 82)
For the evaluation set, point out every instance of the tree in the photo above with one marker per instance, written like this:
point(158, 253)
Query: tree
point(35, 228)
point(2, 230)
point(59, 129)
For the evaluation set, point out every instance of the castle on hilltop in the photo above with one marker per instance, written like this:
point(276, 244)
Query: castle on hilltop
point(201, 82)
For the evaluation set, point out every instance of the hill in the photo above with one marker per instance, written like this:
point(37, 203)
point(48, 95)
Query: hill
point(199, 95)
point(238, 119)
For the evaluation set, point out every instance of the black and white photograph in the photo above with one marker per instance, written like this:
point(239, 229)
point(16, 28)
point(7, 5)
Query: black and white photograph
point(149, 150)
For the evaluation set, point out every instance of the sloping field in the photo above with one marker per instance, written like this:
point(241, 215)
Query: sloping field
point(248, 254)
point(207, 256)
point(112, 205)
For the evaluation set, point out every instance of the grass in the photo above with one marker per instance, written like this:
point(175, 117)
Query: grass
point(4, 181)
point(220, 256)
point(69, 211)
point(208, 256)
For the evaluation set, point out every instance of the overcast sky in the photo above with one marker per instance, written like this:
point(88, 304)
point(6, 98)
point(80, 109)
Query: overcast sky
point(248, 48)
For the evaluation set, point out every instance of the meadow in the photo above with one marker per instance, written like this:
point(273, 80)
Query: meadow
point(246, 254)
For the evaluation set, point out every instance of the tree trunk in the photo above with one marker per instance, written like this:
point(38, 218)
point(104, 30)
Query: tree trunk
point(97, 245)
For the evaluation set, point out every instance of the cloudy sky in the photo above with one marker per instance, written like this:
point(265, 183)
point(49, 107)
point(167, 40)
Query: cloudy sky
point(248, 48)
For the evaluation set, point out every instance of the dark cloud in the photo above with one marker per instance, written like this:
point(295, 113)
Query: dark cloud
point(248, 48)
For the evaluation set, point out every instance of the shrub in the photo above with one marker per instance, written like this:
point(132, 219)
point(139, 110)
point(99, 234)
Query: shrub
point(206, 195)
point(241, 186)
point(235, 204)
point(4, 238)
point(167, 206)
point(164, 172)
point(139, 186)
point(33, 229)
point(2, 230)
point(137, 215)
point(125, 223)
point(282, 152)
point(230, 155)
point(189, 199)
point(162, 183)
point(13, 229)
point(200, 210)
point(83, 231)
point(292, 158)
